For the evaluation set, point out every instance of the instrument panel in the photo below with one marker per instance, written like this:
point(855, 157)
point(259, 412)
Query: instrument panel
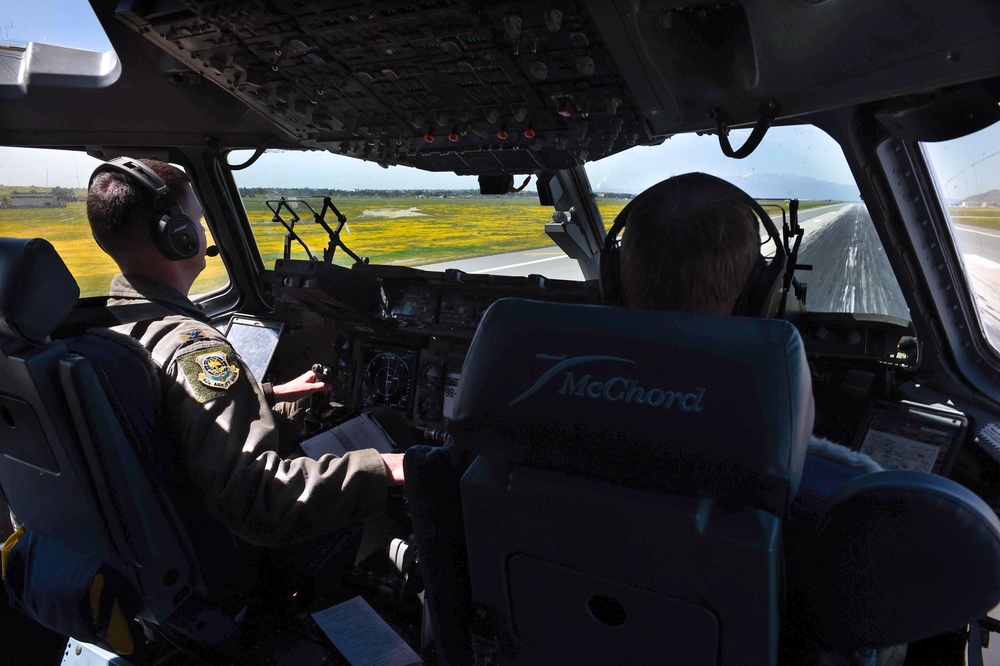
point(398, 337)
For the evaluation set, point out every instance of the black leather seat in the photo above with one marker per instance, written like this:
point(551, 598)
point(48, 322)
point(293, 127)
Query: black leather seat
point(631, 475)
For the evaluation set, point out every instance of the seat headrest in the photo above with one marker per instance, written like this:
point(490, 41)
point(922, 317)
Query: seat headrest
point(37, 291)
point(696, 405)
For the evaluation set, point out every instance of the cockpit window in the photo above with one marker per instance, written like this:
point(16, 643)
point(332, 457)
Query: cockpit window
point(967, 171)
point(403, 216)
point(43, 194)
point(398, 216)
point(850, 272)
point(73, 24)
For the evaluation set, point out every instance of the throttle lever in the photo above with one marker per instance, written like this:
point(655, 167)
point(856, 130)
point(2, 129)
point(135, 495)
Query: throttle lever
point(317, 409)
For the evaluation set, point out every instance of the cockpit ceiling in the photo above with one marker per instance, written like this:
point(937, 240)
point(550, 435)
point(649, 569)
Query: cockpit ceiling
point(446, 85)
point(515, 87)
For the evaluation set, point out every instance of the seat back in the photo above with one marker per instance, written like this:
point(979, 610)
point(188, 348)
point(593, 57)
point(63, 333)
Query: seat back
point(900, 556)
point(82, 465)
point(633, 468)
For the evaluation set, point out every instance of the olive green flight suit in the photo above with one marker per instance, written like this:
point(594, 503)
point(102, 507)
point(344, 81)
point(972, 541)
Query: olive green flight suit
point(220, 418)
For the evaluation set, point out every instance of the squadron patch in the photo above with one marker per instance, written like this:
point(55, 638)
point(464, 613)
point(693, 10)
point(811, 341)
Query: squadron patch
point(218, 373)
point(210, 372)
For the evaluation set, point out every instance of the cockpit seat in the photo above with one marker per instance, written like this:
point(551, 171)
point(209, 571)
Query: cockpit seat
point(899, 556)
point(86, 471)
point(632, 472)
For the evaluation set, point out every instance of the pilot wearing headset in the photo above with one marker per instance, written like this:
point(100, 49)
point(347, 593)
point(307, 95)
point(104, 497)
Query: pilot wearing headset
point(691, 243)
point(146, 216)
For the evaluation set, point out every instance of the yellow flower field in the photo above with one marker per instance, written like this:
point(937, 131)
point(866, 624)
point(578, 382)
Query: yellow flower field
point(402, 231)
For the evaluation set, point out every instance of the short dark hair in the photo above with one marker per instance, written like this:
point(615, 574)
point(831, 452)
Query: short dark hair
point(121, 210)
point(690, 243)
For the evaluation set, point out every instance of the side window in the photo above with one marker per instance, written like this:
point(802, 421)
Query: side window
point(43, 194)
point(967, 171)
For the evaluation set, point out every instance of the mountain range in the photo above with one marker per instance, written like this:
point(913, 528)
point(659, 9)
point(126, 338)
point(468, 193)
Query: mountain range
point(992, 196)
point(769, 186)
point(789, 186)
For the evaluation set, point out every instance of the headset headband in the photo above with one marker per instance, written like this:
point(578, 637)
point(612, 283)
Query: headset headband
point(174, 233)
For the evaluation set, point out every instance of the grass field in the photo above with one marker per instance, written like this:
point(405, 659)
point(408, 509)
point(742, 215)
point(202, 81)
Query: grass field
point(412, 231)
point(405, 231)
point(979, 217)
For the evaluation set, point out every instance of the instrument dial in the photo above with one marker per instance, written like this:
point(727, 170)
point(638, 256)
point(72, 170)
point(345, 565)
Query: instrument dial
point(434, 374)
point(387, 372)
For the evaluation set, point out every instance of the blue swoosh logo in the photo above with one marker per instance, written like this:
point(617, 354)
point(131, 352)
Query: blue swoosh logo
point(559, 367)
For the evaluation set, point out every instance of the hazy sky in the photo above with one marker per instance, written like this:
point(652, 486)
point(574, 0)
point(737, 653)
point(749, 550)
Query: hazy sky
point(60, 22)
point(966, 166)
point(799, 151)
point(790, 150)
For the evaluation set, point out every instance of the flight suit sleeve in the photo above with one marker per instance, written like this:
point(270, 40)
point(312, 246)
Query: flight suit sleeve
point(225, 427)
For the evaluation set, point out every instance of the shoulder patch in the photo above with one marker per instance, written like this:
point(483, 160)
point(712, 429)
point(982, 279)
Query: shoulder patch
point(210, 372)
point(217, 371)
point(193, 335)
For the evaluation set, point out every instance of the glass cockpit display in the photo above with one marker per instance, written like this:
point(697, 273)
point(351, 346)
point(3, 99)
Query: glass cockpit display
point(387, 377)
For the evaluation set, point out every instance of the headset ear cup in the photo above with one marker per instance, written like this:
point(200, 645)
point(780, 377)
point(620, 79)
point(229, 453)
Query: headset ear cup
point(609, 274)
point(759, 296)
point(176, 236)
point(174, 233)
point(763, 289)
point(610, 283)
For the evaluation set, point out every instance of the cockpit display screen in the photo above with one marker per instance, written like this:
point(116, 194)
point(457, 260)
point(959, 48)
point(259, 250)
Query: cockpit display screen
point(387, 377)
point(915, 437)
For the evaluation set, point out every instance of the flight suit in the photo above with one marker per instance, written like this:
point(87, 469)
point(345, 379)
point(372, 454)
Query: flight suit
point(226, 432)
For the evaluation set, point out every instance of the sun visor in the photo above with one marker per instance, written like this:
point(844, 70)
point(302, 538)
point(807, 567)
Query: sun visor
point(940, 116)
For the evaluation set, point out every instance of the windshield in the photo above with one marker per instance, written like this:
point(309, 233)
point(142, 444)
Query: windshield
point(849, 272)
point(71, 24)
point(967, 171)
point(402, 216)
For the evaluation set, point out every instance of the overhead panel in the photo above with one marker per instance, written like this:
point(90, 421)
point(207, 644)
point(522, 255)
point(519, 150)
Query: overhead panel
point(445, 85)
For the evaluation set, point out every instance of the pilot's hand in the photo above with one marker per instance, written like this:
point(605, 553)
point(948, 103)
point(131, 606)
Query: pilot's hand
point(394, 464)
point(302, 386)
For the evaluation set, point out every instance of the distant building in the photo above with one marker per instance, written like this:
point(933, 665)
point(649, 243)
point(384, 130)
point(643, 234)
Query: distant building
point(34, 200)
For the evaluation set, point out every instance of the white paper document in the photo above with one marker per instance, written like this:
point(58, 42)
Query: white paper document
point(895, 452)
point(360, 432)
point(363, 637)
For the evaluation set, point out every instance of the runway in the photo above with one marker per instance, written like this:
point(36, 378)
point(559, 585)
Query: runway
point(850, 272)
point(980, 249)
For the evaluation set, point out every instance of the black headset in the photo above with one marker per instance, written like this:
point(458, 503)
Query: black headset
point(173, 232)
point(761, 293)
